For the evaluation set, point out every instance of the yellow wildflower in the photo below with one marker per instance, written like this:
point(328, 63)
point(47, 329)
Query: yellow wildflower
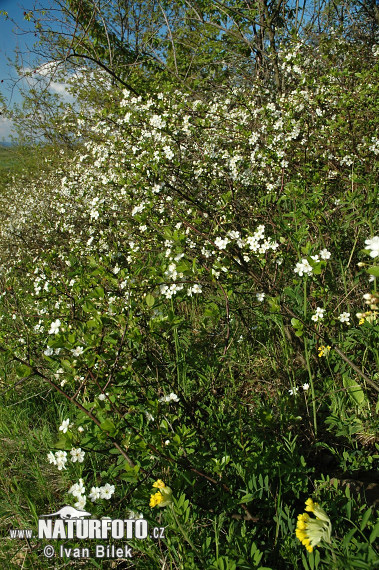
point(310, 506)
point(324, 350)
point(156, 499)
point(310, 531)
point(163, 497)
point(369, 316)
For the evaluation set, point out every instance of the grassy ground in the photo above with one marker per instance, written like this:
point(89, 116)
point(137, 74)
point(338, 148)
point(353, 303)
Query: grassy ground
point(8, 158)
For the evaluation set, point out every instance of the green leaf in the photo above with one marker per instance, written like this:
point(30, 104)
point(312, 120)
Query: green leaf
point(289, 292)
point(246, 498)
point(374, 270)
point(92, 323)
point(66, 364)
point(98, 293)
point(108, 426)
point(305, 250)
point(348, 537)
point(354, 390)
point(365, 518)
point(274, 304)
point(317, 268)
point(374, 533)
point(23, 370)
point(149, 299)
point(88, 307)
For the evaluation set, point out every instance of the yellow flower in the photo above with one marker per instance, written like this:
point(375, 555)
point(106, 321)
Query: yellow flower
point(310, 531)
point(156, 499)
point(163, 497)
point(302, 520)
point(310, 505)
point(324, 350)
point(369, 316)
point(318, 511)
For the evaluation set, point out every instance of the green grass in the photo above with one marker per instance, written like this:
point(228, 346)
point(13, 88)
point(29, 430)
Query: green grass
point(29, 485)
point(9, 158)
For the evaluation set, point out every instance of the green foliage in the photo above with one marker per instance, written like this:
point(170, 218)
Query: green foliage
point(187, 281)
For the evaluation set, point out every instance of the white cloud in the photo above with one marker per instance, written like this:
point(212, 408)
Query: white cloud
point(47, 69)
point(5, 128)
point(45, 74)
point(61, 89)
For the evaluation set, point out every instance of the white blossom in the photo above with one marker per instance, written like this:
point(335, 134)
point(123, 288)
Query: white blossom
point(81, 502)
point(65, 425)
point(325, 254)
point(78, 351)
point(303, 267)
point(77, 455)
point(344, 318)
point(94, 494)
point(77, 489)
point(54, 327)
point(319, 314)
point(373, 245)
point(107, 491)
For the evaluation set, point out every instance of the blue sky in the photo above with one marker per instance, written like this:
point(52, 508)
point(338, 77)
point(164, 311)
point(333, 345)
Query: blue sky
point(9, 42)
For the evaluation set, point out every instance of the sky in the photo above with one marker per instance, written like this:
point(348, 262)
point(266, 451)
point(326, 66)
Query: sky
point(11, 40)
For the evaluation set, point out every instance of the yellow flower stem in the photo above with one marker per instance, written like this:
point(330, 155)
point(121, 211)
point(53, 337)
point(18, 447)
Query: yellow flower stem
point(332, 551)
point(308, 363)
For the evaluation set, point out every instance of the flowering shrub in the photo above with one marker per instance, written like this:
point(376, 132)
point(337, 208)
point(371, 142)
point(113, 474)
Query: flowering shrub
point(176, 279)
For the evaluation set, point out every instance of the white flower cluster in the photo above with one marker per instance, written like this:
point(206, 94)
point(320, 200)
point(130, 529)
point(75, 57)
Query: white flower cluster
point(373, 245)
point(78, 490)
point(319, 315)
point(170, 398)
point(78, 351)
point(371, 300)
point(157, 122)
point(194, 289)
point(293, 391)
point(375, 142)
point(50, 351)
point(169, 291)
point(138, 209)
point(171, 272)
point(59, 459)
point(104, 492)
point(54, 327)
point(303, 267)
point(221, 243)
point(258, 243)
point(77, 455)
point(65, 425)
point(325, 254)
